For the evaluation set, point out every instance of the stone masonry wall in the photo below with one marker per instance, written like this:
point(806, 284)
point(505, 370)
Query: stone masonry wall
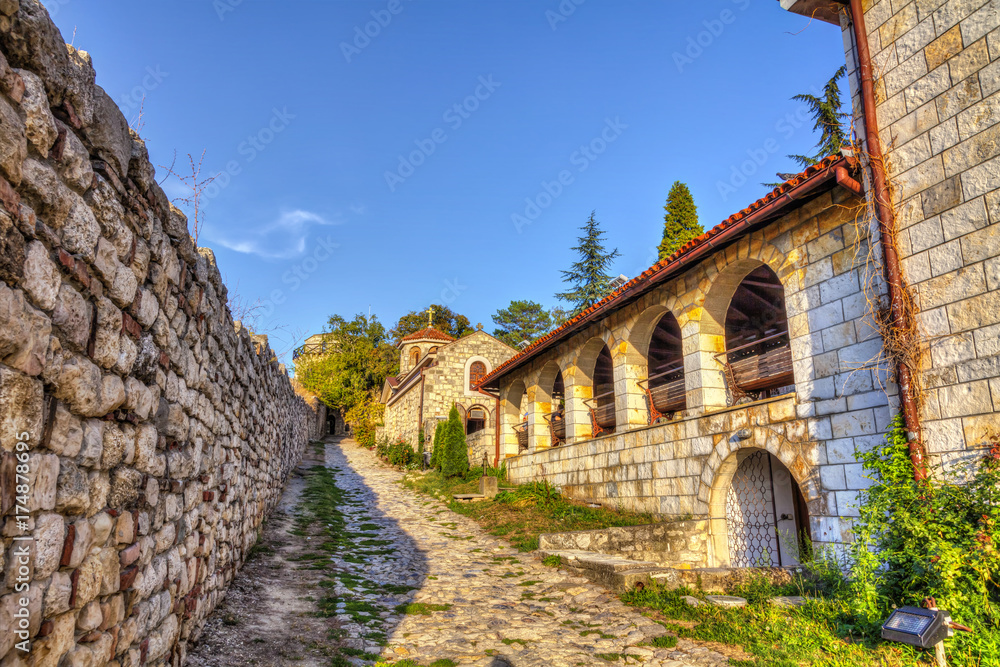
point(938, 107)
point(157, 434)
point(684, 468)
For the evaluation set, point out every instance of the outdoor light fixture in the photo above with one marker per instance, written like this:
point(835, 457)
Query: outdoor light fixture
point(917, 627)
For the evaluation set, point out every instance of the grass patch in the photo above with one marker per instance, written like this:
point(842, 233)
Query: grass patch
point(523, 514)
point(610, 657)
point(817, 633)
point(508, 641)
point(421, 608)
point(666, 641)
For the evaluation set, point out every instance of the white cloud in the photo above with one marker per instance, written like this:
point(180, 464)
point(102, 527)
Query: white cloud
point(359, 209)
point(284, 238)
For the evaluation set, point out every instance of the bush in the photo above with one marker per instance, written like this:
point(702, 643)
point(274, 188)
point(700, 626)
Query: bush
point(929, 539)
point(399, 453)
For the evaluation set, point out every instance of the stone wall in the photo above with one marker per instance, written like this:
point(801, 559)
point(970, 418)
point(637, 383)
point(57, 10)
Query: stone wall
point(157, 433)
point(683, 544)
point(938, 92)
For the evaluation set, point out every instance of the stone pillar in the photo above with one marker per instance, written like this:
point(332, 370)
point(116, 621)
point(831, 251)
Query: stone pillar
point(578, 389)
point(704, 380)
point(630, 398)
point(538, 428)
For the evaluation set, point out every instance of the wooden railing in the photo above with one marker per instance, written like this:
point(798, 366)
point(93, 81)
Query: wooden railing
point(602, 413)
point(752, 375)
point(521, 431)
point(668, 396)
point(557, 426)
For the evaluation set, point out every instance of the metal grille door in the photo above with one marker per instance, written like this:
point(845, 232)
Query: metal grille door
point(753, 538)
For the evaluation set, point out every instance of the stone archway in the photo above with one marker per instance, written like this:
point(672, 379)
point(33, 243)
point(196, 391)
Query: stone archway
point(593, 407)
point(547, 421)
point(512, 415)
point(656, 356)
point(758, 511)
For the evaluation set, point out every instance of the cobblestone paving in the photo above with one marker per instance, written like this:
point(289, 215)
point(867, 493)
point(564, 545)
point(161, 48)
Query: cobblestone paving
point(477, 601)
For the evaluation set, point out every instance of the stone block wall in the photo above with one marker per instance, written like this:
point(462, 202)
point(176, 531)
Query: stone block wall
point(143, 436)
point(938, 108)
point(683, 544)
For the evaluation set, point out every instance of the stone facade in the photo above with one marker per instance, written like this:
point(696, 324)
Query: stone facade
point(684, 468)
point(938, 108)
point(438, 379)
point(158, 433)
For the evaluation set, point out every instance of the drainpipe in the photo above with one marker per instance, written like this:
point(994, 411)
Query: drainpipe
point(886, 223)
point(496, 412)
point(420, 413)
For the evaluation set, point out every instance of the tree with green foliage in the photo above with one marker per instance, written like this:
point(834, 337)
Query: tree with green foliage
point(589, 276)
point(456, 452)
point(349, 374)
point(438, 445)
point(829, 120)
point(521, 321)
point(680, 222)
point(444, 319)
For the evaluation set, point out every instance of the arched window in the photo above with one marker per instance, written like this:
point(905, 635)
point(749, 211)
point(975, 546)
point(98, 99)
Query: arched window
point(433, 350)
point(414, 356)
point(477, 371)
point(475, 419)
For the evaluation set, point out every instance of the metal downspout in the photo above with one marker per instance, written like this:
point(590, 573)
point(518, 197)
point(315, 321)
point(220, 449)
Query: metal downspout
point(886, 222)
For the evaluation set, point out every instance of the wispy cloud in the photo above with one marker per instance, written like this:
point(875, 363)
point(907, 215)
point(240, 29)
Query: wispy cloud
point(284, 238)
point(359, 209)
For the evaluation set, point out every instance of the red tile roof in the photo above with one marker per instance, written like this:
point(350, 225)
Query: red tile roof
point(824, 168)
point(429, 332)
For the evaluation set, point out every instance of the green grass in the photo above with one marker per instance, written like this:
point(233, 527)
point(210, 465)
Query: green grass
point(421, 608)
point(508, 642)
point(815, 634)
point(520, 516)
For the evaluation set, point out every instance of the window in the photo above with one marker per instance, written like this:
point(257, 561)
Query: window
point(414, 356)
point(433, 350)
point(476, 420)
point(477, 371)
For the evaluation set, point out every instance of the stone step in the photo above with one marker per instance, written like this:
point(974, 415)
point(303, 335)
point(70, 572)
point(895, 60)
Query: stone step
point(614, 572)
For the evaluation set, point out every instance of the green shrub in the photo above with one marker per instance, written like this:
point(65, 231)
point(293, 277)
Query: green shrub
point(935, 538)
point(438, 446)
point(456, 451)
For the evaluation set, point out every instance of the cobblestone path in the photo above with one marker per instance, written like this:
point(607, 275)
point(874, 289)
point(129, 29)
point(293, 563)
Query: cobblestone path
point(477, 601)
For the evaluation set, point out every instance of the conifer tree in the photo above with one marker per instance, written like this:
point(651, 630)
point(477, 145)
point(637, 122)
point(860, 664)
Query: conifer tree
point(828, 116)
point(589, 277)
point(680, 222)
point(438, 445)
point(456, 454)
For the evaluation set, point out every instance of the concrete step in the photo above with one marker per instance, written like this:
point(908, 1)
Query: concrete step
point(615, 572)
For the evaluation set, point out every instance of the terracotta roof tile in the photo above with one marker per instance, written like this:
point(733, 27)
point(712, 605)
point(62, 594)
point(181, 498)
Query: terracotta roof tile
point(429, 332)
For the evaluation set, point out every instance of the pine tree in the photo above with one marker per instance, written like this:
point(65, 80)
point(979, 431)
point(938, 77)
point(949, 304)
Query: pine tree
point(456, 454)
point(680, 223)
point(589, 276)
point(437, 446)
point(828, 116)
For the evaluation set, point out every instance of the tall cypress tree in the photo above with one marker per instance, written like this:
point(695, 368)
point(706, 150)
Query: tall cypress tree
point(438, 445)
point(680, 222)
point(589, 276)
point(456, 452)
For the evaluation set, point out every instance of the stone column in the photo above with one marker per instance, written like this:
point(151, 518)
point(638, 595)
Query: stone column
point(630, 399)
point(704, 380)
point(578, 389)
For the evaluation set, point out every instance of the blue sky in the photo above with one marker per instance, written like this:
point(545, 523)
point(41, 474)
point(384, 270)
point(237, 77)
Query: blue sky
point(450, 154)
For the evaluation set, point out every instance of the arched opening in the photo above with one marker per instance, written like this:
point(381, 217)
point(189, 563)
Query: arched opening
point(602, 402)
point(414, 356)
point(758, 357)
point(433, 350)
point(514, 415)
point(475, 419)
point(760, 516)
point(551, 400)
point(477, 371)
point(664, 383)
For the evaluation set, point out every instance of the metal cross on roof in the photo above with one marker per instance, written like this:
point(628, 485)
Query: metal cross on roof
point(430, 316)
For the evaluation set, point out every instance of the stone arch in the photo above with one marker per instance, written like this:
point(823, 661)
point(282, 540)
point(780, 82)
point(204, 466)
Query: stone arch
point(711, 339)
point(648, 352)
point(512, 408)
point(550, 396)
point(593, 379)
point(722, 467)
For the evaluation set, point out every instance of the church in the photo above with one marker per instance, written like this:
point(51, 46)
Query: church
point(437, 371)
